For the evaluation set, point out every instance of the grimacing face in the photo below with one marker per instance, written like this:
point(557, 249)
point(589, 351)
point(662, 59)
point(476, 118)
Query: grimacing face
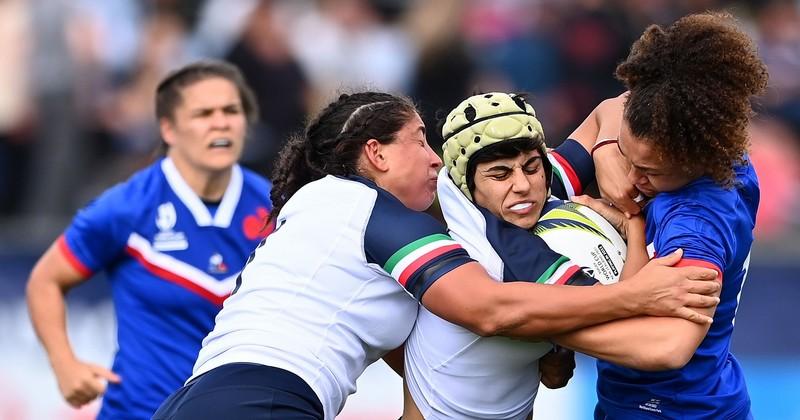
point(650, 171)
point(513, 189)
point(413, 166)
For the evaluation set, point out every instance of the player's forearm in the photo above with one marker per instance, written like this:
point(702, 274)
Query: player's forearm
point(636, 256)
point(466, 296)
point(537, 312)
point(645, 343)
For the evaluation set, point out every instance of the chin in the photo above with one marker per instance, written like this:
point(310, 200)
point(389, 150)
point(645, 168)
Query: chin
point(221, 164)
point(524, 223)
point(424, 205)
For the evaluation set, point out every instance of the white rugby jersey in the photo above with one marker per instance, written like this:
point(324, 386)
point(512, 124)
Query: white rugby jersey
point(334, 288)
point(453, 373)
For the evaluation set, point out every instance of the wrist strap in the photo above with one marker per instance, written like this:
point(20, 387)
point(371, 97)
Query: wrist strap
point(602, 143)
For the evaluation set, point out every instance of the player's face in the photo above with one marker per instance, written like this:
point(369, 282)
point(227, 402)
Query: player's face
point(413, 166)
point(650, 172)
point(513, 189)
point(207, 131)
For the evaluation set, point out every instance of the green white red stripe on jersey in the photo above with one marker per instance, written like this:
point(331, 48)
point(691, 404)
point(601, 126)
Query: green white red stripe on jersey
point(565, 174)
point(559, 272)
point(407, 260)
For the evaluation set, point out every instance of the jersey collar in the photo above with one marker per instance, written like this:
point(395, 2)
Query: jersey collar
point(224, 214)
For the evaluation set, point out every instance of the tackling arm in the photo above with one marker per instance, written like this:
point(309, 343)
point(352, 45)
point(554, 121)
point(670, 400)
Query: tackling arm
point(645, 343)
point(467, 296)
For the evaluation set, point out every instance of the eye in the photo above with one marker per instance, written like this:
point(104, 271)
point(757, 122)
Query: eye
point(532, 169)
point(498, 176)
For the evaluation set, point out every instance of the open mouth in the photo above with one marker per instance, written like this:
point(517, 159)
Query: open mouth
point(220, 143)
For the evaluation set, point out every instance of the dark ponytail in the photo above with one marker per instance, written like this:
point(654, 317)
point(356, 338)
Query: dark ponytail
point(332, 142)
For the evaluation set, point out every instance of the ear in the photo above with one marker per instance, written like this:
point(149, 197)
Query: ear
point(374, 154)
point(167, 130)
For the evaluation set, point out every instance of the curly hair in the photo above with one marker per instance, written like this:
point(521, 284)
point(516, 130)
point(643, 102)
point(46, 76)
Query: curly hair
point(332, 142)
point(690, 88)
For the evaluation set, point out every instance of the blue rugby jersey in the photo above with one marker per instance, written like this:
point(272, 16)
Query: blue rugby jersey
point(171, 261)
point(714, 226)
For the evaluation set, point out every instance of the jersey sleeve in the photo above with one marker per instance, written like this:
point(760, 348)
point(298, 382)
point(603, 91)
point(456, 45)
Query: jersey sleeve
point(97, 234)
point(526, 257)
point(702, 239)
point(573, 169)
point(410, 246)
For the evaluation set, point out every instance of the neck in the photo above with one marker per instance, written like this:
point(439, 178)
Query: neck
point(208, 185)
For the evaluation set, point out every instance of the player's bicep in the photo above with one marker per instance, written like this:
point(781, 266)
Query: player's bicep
point(462, 296)
point(58, 267)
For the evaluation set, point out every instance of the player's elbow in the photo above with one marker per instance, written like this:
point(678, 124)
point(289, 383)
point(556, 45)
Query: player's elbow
point(488, 328)
point(667, 355)
point(489, 317)
point(483, 322)
point(36, 281)
point(498, 319)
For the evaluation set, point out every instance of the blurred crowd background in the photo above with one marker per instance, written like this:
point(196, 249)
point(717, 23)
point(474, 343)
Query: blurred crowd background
point(78, 76)
point(77, 80)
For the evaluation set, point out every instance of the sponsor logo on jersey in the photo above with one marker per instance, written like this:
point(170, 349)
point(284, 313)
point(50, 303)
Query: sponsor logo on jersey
point(167, 239)
point(651, 406)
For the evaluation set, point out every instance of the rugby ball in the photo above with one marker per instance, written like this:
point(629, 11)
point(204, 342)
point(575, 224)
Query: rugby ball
point(582, 235)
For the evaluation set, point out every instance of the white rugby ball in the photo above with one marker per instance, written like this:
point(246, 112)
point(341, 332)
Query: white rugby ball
point(582, 235)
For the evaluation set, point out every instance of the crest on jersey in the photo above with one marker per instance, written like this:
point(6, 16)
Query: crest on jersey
point(216, 264)
point(167, 239)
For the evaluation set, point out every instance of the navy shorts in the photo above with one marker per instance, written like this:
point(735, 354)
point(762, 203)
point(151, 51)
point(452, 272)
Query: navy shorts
point(243, 391)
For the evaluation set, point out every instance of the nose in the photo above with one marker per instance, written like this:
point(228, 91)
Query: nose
point(220, 120)
point(635, 176)
point(436, 161)
point(519, 182)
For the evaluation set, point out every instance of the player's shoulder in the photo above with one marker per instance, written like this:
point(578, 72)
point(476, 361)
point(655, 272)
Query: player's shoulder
point(390, 213)
point(330, 192)
point(131, 195)
point(705, 199)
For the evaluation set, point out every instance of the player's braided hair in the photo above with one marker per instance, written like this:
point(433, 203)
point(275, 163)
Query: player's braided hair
point(332, 142)
point(690, 88)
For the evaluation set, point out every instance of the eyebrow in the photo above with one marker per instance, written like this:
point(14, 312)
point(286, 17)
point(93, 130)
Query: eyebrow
point(205, 109)
point(501, 167)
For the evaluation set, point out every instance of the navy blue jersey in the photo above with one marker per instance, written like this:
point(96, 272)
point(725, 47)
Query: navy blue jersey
point(714, 227)
point(171, 260)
